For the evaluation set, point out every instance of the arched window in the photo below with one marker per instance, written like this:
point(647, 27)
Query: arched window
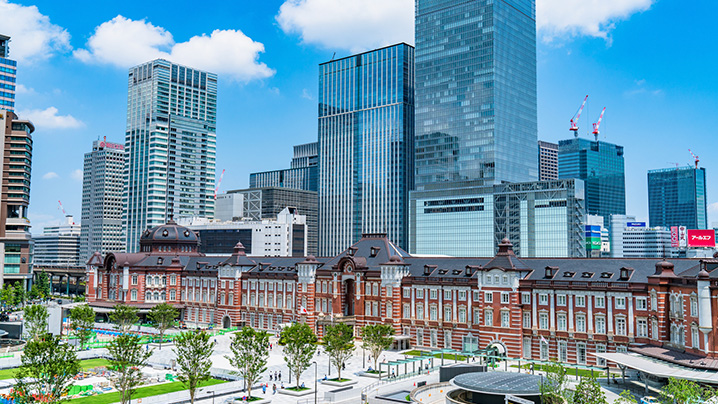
point(173, 294)
point(148, 296)
point(163, 296)
point(157, 296)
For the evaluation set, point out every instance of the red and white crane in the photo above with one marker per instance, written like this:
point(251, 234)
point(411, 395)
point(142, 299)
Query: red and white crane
point(574, 120)
point(694, 157)
point(63, 209)
point(218, 184)
point(597, 124)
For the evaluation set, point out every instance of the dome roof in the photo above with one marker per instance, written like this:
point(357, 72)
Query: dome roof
point(170, 232)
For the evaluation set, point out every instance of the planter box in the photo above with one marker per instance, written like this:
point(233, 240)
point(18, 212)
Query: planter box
point(262, 401)
point(373, 375)
point(339, 384)
point(295, 393)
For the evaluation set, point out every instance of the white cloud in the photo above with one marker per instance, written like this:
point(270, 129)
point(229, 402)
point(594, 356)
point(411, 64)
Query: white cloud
point(713, 207)
point(124, 43)
point(49, 119)
point(307, 95)
point(76, 175)
point(33, 36)
point(359, 25)
point(22, 89)
point(596, 18)
point(356, 25)
point(50, 175)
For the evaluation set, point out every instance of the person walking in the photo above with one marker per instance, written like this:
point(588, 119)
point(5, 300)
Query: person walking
point(264, 389)
point(274, 388)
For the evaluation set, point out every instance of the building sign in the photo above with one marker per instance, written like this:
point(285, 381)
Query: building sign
point(635, 224)
point(682, 237)
point(108, 145)
point(674, 236)
point(701, 238)
point(510, 398)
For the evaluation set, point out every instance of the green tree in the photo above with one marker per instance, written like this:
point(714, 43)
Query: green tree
point(128, 357)
point(193, 350)
point(35, 293)
point(82, 320)
point(20, 294)
point(162, 315)
point(553, 387)
point(35, 320)
point(249, 355)
point(339, 344)
point(682, 391)
point(589, 391)
point(42, 281)
point(626, 398)
point(47, 371)
point(300, 345)
point(8, 295)
point(377, 338)
point(123, 316)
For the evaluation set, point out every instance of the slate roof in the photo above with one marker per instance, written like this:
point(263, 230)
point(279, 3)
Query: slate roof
point(362, 252)
point(643, 268)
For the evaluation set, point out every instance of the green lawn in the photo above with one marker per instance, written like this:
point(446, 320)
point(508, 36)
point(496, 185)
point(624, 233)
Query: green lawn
point(86, 364)
point(342, 380)
point(569, 371)
point(94, 363)
point(297, 388)
point(140, 393)
point(416, 352)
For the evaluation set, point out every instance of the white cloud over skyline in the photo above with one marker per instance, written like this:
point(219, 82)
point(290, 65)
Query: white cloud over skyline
point(124, 42)
point(50, 176)
point(360, 25)
point(32, 36)
point(49, 119)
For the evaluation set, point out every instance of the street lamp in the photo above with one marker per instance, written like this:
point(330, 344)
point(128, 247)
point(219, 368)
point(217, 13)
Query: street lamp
point(210, 391)
point(315, 382)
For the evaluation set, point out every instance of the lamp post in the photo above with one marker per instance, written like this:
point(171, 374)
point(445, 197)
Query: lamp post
point(315, 382)
point(211, 391)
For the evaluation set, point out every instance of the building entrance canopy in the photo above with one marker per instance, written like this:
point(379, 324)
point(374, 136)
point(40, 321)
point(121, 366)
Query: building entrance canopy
point(658, 368)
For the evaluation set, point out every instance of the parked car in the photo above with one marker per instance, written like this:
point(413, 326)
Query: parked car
point(648, 400)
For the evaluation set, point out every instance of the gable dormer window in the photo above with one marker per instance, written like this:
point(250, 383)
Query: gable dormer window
point(160, 260)
point(568, 274)
point(351, 251)
point(550, 272)
point(374, 251)
point(587, 275)
point(625, 273)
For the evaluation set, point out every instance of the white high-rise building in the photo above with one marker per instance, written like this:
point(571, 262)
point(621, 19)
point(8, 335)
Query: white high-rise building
point(171, 146)
point(58, 245)
point(102, 186)
point(633, 239)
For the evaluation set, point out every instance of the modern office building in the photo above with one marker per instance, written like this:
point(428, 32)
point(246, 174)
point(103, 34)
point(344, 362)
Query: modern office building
point(600, 165)
point(632, 239)
point(677, 197)
point(366, 146)
point(548, 160)
point(102, 186)
point(544, 219)
point(594, 233)
point(8, 75)
point(283, 236)
point(59, 246)
point(476, 114)
point(15, 242)
point(302, 174)
point(267, 203)
point(170, 146)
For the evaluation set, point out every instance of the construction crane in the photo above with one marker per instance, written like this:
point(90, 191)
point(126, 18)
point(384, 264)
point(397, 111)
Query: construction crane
point(694, 157)
point(597, 124)
point(218, 184)
point(63, 209)
point(574, 120)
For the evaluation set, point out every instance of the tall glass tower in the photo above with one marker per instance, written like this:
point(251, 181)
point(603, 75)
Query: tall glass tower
point(476, 119)
point(677, 197)
point(170, 146)
point(8, 75)
point(366, 147)
point(600, 165)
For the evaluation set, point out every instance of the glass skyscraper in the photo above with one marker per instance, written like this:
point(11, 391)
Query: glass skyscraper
point(303, 174)
point(677, 197)
point(476, 118)
point(366, 148)
point(8, 75)
point(600, 165)
point(170, 146)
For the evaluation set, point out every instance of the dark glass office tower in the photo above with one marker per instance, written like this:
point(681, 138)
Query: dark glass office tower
point(677, 197)
point(475, 92)
point(600, 165)
point(366, 146)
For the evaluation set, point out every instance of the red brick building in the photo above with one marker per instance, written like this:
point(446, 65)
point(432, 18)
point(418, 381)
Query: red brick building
point(534, 308)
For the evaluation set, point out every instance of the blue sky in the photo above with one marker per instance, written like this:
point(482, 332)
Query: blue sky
point(651, 63)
